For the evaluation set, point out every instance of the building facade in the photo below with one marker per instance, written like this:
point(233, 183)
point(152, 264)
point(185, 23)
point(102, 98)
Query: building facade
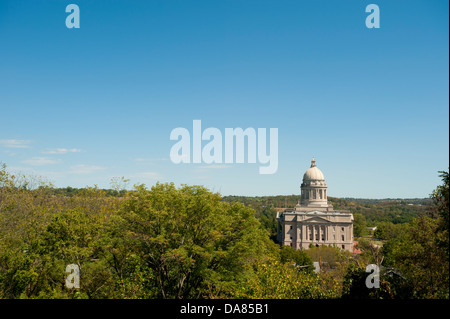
point(313, 221)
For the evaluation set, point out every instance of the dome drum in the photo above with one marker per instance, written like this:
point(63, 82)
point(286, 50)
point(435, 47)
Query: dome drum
point(313, 187)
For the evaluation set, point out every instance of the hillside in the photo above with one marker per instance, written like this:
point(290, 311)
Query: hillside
point(375, 210)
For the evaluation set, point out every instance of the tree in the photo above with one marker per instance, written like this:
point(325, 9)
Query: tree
point(418, 258)
point(359, 225)
point(194, 243)
point(440, 209)
point(354, 286)
point(420, 253)
point(388, 230)
point(296, 257)
point(273, 279)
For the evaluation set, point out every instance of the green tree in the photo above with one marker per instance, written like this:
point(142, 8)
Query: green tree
point(297, 257)
point(194, 243)
point(388, 230)
point(359, 225)
point(354, 286)
point(440, 209)
point(420, 254)
point(273, 279)
point(74, 237)
point(418, 258)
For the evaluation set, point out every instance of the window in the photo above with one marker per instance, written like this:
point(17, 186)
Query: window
point(342, 228)
point(291, 227)
point(342, 237)
point(343, 246)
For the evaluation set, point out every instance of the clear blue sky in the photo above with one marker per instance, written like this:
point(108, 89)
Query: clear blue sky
point(81, 106)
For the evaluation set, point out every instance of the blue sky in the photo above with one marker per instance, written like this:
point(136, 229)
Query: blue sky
point(80, 106)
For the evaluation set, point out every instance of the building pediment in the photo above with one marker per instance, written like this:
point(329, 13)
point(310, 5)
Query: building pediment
point(316, 219)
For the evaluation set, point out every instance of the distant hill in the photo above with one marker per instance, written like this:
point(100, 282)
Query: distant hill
point(396, 210)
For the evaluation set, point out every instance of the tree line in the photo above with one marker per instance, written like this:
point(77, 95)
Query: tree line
point(188, 242)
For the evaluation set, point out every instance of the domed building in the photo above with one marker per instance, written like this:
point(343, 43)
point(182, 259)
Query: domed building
point(313, 221)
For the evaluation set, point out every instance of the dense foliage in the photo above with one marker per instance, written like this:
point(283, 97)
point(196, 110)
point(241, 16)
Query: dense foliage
point(163, 242)
point(188, 242)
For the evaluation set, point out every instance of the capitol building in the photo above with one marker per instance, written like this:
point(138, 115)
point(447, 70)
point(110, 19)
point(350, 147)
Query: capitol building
point(313, 221)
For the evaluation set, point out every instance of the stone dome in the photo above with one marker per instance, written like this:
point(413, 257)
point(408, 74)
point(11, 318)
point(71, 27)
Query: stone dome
point(313, 173)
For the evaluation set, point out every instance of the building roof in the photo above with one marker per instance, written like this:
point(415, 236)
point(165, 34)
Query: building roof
point(356, 250)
